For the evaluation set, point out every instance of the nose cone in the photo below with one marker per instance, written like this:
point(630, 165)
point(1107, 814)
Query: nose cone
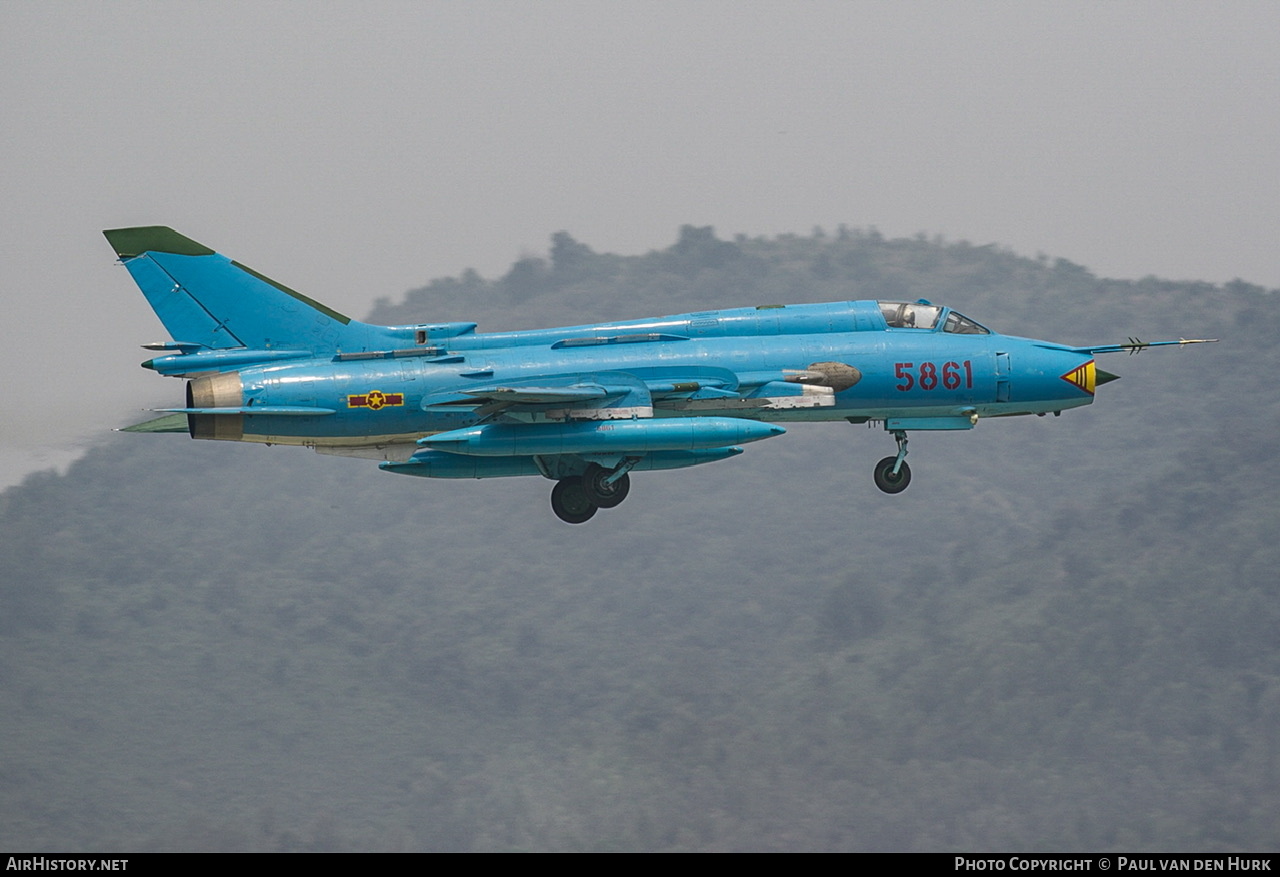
point(1105, 377)
point(1048, 377)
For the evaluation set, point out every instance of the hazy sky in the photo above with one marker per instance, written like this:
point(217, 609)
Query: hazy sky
point(357, 150)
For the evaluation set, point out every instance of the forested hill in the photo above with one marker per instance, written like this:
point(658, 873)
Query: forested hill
point(1064, 636)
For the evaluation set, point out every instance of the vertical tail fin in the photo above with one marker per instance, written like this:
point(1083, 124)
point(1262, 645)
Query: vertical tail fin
point(207, 301)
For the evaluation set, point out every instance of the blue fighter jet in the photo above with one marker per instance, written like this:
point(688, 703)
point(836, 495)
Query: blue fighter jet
point(583, 406)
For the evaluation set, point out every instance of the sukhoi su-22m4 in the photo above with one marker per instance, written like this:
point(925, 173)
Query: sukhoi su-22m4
point(584, 406)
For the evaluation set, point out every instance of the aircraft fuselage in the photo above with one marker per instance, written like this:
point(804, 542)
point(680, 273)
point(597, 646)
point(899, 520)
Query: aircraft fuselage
point(386, 397)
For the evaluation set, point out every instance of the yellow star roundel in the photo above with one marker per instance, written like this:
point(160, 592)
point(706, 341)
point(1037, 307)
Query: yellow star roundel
point(1085, 377)
point(375, 400)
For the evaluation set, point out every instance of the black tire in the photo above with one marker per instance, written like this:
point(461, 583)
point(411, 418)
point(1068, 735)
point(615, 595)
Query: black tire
point(570, 502)
point(887, 481)
point(605, 495)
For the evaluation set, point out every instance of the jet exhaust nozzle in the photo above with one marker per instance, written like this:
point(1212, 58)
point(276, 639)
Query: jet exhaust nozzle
point(223, 390)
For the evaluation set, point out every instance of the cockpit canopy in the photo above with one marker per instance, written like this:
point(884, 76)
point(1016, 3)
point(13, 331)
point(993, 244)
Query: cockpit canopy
point(922, 315)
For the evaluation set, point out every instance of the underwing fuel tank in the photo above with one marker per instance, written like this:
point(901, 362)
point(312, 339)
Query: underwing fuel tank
point(601, 437)
point(438, 464)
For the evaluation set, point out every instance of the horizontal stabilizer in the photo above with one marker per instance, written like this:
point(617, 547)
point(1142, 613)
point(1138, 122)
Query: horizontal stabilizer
point(168, 423)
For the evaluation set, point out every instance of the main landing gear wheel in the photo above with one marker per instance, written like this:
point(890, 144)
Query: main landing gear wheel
point(570, 502)
point(887, 481)
point(598, 489)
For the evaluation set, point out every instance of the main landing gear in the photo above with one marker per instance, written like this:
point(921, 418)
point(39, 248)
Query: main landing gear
point(577, 498)
point(892, 474)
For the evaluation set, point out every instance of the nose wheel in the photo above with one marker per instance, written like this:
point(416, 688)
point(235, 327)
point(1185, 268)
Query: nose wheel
point(890, 481)
point(892, 474)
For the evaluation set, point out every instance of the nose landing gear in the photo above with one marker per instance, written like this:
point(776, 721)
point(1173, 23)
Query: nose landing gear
point(892, 474)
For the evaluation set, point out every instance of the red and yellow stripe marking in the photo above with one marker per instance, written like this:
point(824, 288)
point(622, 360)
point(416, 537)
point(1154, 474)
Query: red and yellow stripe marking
point(1085, 377)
